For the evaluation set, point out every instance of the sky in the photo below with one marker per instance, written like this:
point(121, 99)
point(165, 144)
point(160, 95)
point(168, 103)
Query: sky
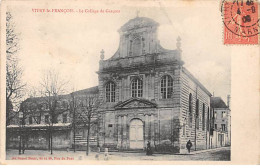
point(71, 42)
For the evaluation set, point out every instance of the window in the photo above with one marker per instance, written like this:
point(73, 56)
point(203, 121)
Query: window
point(136, 47)
point(215, 115)
point(216, 126)
point(47, 119)
point(64, 118)
point(137, 88)
point(38, 119)
point(131, 46)
point(21, 121)
point(223, 114)
point(166, 87)
point(203, 117)
point(30, 120)
point(190, 110)
point(223, 127)
point(110, 92)
point(197, 114)
point(208, 120)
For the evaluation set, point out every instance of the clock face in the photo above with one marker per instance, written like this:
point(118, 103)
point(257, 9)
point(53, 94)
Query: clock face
point(241, 17)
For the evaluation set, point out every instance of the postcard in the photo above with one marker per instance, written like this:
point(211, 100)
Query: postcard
point(129, 82)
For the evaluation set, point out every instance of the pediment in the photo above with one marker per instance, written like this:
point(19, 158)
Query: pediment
point(135, 103)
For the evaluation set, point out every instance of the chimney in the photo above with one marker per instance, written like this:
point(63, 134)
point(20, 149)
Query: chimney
point(228, 100)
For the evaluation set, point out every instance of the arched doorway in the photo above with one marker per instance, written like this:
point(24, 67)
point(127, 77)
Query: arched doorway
point(136, 134)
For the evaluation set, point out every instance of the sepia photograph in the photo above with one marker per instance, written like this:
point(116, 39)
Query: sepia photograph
point(115, 81)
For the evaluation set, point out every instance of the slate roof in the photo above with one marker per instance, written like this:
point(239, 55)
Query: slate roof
point(217, 102)
point(92, 90)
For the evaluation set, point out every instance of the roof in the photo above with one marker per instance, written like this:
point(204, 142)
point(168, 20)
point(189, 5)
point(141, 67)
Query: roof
point(217, 102)
point(92, 90)
point(138, 22)
point(196, 81)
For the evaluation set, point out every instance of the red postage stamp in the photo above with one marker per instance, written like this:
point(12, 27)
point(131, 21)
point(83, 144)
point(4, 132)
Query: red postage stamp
point(241, 22)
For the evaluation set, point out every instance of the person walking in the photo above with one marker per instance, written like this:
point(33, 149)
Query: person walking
point(189, 145)
point(149, 149)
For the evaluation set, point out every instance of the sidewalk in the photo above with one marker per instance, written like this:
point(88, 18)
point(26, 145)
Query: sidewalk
point(209, 154)
point(209, 150)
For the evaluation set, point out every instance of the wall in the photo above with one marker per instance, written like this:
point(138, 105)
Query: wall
point(39, 139)
point(188, 86)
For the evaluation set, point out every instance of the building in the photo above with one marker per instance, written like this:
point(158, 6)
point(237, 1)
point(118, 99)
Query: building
point(147, 95)
point(221, 125)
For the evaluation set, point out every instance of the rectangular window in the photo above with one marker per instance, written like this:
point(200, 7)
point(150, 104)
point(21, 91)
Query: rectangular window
point(64, 117)
point(223, 127)
point(38, 119)
point(223, 114)
point(30, 120)
point(216, 126)
point(21, 121)
point(47, 119)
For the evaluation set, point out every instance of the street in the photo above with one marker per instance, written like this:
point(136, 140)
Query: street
point(219, 154)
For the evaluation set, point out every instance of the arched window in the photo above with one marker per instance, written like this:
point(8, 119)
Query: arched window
point(208, 120)
point(197, 113)
point(190, 110)
point(203, 117)
point(166, 87)
point(137, 87)
point(110, 92)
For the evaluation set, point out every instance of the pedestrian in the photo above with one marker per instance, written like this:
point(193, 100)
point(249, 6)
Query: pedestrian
point(106, 154)
point(189, 145)
point(98, 152)
point(149, 149)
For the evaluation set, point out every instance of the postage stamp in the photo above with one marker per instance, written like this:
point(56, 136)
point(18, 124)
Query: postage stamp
point(241, 21)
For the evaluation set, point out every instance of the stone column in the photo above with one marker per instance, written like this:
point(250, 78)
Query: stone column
point(146, 130)
point(119, 132)
point(152, 130)
point(149, 128)
point(127, 133)
point(115, 135)
point(124, 132)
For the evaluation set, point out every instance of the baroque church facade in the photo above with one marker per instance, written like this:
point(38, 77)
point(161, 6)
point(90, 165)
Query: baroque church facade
point(149, 95)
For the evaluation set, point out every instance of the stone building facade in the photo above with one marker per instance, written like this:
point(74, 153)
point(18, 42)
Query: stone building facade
point(221, 124)
point(147, 95)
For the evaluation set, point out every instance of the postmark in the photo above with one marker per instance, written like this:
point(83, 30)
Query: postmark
point(241, 22)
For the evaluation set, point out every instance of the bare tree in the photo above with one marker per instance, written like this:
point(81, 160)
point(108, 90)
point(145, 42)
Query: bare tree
point(73, 108)
point(27, 108)
point(88, 113)
point(14, 85)
point(52, 89)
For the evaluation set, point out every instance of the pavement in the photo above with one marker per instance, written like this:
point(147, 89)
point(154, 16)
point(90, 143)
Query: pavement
point(218, 154)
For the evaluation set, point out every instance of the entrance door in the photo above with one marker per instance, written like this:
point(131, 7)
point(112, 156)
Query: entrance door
point(136, 134)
